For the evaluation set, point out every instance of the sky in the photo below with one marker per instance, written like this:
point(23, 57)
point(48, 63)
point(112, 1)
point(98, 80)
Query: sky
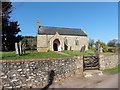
point(98, 19)
point(63, 0)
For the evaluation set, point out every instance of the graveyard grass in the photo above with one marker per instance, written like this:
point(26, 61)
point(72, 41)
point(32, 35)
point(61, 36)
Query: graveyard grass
point(86, 53)
point(77, 52)
point(50, 54)
point(115, 69)
point(31, 55)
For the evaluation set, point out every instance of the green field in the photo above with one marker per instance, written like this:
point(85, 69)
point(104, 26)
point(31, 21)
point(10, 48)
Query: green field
point(31, 55)
point(115, 69)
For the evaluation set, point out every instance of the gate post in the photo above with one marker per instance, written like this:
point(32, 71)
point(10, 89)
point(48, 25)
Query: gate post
point(99, 60)
point(83, 64)
point(79, 65)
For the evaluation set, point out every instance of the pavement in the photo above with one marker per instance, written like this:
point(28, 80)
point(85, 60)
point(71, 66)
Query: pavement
point(107, 80)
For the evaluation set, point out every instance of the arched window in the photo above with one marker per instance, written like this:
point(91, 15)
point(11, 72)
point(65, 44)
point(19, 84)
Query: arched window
point(66, 41)
point(76, 42)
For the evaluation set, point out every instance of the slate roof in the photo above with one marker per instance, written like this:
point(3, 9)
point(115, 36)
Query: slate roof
point(45, 30)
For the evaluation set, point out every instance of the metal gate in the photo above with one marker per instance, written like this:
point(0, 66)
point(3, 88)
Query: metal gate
point(91, 63)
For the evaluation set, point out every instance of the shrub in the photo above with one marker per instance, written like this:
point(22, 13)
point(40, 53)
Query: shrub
point(93, 48)
point(104, 46)
point(89, 47)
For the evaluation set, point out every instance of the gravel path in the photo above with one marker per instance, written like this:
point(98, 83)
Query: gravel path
point(106, 80)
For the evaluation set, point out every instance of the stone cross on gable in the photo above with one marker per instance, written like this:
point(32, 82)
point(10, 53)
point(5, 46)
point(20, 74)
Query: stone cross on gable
point(38, 24)
point(98, 47)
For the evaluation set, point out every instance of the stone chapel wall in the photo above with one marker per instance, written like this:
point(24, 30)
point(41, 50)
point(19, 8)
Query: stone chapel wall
point(43, 46)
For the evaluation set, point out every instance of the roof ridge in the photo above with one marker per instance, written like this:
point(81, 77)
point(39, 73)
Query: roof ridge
point(62, 27)
point(61, 30)
point(83, 31)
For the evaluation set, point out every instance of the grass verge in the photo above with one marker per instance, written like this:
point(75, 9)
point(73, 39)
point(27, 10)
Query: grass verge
point(115, 69)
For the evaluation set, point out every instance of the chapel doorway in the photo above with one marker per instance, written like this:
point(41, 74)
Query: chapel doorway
point(56, 45)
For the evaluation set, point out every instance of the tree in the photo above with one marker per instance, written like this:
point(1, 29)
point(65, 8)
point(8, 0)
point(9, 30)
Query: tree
point(30, 42)
point(113, 43)
point(10, 29)
point(90, 43)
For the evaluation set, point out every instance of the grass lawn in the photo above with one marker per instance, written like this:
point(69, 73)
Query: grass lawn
point(50, 54)
point(108, 53)
point(31, 55)
point(115, 69)
point(77, 52)
point(86, 53)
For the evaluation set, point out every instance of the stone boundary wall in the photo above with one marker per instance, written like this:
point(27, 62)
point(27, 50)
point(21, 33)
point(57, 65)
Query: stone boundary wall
point(108, 61)
point(34, 73)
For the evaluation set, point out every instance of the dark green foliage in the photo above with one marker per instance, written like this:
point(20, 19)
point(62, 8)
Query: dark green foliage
point(111, 44)
point(89, 47)
point(10, 29)
point(112, 49)
point(6, 10)
point(114, 43)
point(90, 43)
point(30, 42)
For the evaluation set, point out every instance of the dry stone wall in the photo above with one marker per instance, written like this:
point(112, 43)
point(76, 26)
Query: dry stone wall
point(35, 73)
point(108, 61)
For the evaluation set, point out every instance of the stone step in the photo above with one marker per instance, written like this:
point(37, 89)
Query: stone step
point(89, 73)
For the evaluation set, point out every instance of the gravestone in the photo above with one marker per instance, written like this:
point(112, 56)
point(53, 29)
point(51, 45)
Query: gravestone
point(101, 49)
point(23, 48)
point(70, 47)
point(83, 49)
point(20, 47)
point(17, 49)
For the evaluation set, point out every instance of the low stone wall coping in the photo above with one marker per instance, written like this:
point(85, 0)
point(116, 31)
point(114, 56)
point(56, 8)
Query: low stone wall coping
point(42, 59)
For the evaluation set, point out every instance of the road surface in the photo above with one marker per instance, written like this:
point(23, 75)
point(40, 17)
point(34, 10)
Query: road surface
point(106, 80)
